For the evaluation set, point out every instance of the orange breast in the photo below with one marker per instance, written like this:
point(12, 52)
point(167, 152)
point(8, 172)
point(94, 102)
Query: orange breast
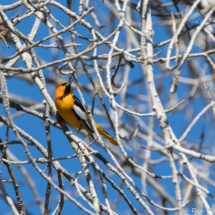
point(64, 107)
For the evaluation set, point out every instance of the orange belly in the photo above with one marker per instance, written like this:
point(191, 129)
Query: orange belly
point(64, 108)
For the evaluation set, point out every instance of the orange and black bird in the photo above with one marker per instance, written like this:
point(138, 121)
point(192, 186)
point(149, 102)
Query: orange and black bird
point(73, 112)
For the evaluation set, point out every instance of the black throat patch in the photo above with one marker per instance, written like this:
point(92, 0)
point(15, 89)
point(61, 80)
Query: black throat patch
point(66, 93)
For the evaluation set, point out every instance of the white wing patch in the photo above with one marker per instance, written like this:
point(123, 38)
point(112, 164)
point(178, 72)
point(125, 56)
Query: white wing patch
point(83, 119)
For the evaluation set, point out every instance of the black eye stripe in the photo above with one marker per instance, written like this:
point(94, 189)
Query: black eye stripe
point(66, 91)
point(63, 84)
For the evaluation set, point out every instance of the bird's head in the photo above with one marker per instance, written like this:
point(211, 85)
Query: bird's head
point(64, 84)
point(63, 89)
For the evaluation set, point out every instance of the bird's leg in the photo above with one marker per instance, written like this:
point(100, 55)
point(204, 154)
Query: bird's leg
point(91, 135)
point(78, 131)
point(59, 118)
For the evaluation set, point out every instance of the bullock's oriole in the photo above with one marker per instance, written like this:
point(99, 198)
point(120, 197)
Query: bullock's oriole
point(74, 113)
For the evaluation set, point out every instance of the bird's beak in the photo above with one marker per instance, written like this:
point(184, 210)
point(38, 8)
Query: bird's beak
point(68, 84)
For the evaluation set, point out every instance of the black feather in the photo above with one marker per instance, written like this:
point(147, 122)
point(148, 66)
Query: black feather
point(82, 116)
point(66, 92)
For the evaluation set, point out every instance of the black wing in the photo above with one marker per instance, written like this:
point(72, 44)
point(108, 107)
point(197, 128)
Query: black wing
point(82, 116)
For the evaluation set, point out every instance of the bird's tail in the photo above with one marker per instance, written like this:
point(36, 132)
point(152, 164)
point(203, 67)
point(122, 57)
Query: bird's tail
point(106, 135)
